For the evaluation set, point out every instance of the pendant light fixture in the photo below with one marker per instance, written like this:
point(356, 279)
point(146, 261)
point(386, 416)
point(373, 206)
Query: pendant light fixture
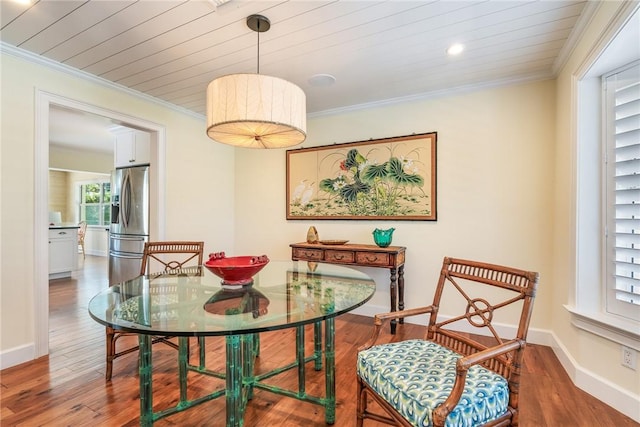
point(254, 110)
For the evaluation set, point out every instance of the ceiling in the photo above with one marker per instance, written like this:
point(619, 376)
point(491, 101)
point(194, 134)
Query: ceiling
point(378, 51)
point(79, 130)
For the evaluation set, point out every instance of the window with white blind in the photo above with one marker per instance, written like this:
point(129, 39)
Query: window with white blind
point(622, 191)
point(95, 203)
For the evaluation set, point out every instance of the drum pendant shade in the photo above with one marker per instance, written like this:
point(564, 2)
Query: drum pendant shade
point(256, 111)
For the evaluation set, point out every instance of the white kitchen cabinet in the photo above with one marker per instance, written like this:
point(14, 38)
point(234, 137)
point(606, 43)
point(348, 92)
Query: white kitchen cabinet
point(132, 148)
point(63, 251)
point(96, 241)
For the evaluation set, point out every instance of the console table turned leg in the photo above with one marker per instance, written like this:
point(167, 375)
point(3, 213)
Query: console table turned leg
point(397, 294)
point(401, 290)
point(393, 290)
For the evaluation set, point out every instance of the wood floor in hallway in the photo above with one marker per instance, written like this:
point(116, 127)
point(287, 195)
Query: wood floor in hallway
point(67, 388)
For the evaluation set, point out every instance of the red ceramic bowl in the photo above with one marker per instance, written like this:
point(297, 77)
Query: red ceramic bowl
point(235, 271)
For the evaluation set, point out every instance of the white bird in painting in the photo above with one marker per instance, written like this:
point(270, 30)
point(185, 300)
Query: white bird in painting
point(297, 192)
point(306, 195)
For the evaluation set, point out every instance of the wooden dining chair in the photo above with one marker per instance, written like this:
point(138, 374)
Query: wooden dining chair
point(465, 370)
point(158, 259)
point(82, 232)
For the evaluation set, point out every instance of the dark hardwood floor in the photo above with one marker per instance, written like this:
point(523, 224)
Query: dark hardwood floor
point(67, 388)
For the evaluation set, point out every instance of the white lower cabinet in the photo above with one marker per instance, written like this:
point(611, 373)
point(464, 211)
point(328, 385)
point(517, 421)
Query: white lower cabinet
point(63, 252)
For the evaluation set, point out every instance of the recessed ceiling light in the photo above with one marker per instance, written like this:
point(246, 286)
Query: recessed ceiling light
point(455, 49)
point(322, 80)
point(25, 2)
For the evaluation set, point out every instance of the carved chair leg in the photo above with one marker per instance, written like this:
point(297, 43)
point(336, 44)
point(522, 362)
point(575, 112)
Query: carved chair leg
point(362, 403)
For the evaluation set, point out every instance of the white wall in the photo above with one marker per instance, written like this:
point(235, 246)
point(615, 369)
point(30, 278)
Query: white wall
point(495, 174)
point(79, 160)
point(588, 358)
point(198, 187)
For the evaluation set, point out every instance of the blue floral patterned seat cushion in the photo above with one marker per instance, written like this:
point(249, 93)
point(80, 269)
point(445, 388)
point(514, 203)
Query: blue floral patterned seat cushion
point(415, 376)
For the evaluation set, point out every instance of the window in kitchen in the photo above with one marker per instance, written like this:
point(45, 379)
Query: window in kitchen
point(95, 203)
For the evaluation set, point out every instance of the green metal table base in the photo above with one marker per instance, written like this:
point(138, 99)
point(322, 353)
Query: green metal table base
point(240, 379)
point(147, 416)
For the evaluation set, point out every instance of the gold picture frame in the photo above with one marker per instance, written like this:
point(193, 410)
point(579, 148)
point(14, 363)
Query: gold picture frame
point(381, 179)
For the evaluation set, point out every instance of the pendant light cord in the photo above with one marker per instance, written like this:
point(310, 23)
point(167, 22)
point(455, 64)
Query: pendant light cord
point(258, 47)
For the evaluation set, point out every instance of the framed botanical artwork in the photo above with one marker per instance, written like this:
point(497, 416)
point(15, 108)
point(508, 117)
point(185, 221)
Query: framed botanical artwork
point(381, 179)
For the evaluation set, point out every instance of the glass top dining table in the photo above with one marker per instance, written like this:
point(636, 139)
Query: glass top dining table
point(194, 303)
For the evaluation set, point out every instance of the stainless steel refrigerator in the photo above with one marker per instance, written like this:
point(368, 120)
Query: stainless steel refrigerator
point(129, 222)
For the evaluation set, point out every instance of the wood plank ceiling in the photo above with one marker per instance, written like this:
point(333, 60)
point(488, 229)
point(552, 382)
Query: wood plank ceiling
point(376, 50)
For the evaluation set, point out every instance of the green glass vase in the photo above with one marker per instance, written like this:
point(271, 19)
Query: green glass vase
point(383, 238)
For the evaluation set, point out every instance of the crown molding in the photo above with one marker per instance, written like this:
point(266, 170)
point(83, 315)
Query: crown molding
point(576, 34)
point(432, 94)
point(57, 66)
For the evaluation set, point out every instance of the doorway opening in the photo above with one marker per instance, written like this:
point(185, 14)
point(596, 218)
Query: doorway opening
point(44, 104)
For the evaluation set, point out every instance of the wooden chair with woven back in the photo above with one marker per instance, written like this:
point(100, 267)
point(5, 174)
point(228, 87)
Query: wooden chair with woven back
point(158, 259)
point(467, 366)
point(82, 233)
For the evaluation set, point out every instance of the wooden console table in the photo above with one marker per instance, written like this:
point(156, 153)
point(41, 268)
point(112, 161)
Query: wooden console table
point(391, 257)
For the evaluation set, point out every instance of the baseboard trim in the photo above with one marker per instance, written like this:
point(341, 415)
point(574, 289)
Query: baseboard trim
point(600, 388)
point(17, 355)
point(95, 252)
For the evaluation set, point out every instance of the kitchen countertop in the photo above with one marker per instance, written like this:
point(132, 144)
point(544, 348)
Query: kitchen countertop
point(63, 225)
